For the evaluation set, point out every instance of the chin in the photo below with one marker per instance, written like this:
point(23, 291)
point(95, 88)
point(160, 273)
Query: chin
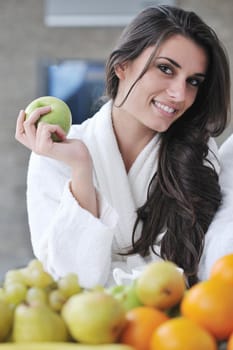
point(161, 128)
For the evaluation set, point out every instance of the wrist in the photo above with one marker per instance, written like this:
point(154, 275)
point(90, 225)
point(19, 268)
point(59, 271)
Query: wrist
point(83, 190)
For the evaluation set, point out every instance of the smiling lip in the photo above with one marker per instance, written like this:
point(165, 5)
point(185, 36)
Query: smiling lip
point(165, 108)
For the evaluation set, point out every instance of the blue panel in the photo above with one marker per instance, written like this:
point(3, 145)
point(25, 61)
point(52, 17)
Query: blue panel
point(79, 83)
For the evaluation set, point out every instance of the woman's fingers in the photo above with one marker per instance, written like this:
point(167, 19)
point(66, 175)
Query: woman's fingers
point(22, 133)
point(44, 141)
point(30, 122)
point(19, 132)
point(26, 127)
point(36, 114)
point(40, 140)
point(50, 129)
point(38, 136)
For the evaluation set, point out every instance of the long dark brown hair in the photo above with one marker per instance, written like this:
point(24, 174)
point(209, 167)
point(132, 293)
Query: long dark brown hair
point(184, 193)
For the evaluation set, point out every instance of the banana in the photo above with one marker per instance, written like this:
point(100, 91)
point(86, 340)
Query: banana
point(62, 346)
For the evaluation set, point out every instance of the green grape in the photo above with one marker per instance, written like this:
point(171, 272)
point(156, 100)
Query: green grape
point(36, 296)
point(15, 292)
point(36, 276)
point(56, 300)
point(51, 287)
point(69, 285)
point(35, 264)
point(14, 276)
point(40, 279)
point(126, 294)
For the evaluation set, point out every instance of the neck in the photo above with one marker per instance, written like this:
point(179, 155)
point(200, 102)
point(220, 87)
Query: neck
point(131, 136)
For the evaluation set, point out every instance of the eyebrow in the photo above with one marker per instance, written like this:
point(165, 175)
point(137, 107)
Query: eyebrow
point(179, 66)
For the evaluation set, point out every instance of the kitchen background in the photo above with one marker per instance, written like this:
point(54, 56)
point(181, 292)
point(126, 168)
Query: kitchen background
point(25, 41)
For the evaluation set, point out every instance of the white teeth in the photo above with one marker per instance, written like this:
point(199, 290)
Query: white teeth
point(165, 108)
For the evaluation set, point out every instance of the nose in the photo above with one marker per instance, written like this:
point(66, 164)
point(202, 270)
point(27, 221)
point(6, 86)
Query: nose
point(177, 90)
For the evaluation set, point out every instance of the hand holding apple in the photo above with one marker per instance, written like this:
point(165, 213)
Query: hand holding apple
point(39, 137)
point(60, 113)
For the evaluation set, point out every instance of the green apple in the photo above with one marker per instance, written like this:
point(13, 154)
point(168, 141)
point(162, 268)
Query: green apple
point(94, 317)
point(161, 285)
point(60, 113)
point(126, 294)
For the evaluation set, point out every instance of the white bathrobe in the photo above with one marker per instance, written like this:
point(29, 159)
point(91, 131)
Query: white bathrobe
point(67, 238)
point(219, 237)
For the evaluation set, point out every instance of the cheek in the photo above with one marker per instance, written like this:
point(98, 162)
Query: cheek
point(191, 97)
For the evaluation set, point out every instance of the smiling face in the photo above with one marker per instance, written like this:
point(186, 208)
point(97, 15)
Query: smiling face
point(168, 87)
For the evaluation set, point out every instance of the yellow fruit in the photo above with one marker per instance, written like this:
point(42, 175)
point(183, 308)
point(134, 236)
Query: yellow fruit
point(38, 323)
point(230, 343)
point(62, 346)
point(181, 334)
point(222, 269)
point(140, 324)
point(35, 276)
point(94, 317)
point(210, 304)
point(6, 319)
point(69, 285)
point(161, 285)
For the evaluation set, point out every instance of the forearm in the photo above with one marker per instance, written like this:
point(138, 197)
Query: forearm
point(83, 190)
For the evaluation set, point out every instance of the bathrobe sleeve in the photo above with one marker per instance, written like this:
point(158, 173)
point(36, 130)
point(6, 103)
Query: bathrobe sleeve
point(219, 237)
point(64, 236)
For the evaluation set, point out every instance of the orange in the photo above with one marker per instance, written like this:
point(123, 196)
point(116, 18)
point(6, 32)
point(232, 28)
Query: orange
point(223, 269)
point(180, 333)
point(140, 324)
point(210, 304)
point(230, 343)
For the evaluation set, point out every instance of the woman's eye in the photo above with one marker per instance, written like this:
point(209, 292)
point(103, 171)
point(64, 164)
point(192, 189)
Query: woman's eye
point(165, 69)
point(194, 82)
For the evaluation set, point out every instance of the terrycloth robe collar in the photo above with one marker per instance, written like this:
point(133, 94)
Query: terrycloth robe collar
point(124, 191)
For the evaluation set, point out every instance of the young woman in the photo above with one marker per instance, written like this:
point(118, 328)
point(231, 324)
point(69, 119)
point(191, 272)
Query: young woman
point(139, 180)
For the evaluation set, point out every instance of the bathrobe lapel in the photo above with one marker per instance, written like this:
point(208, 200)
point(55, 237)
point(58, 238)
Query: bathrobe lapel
point(125, 192)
